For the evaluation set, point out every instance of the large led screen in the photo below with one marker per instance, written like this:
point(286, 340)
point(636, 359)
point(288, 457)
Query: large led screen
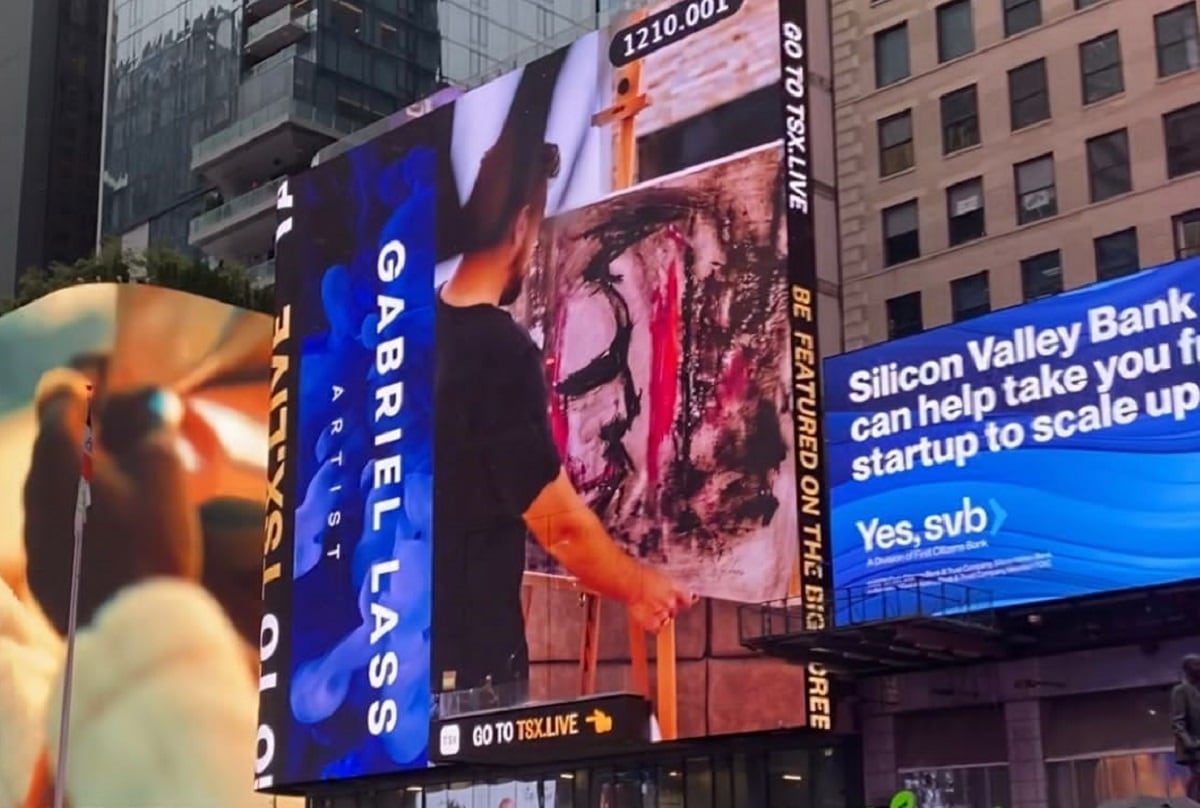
point(557, 335)
point(1045, 451)
point(164, 696)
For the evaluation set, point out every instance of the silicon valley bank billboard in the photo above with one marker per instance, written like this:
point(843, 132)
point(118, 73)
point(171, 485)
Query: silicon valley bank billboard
point(1044, 451)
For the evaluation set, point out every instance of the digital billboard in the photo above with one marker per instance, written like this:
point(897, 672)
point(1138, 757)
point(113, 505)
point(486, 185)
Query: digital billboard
point(165, 674)
point(557, 335)
point(1045, 451)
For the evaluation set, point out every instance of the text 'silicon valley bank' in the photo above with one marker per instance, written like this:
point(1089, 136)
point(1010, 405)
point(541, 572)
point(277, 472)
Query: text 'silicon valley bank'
point(600, 721)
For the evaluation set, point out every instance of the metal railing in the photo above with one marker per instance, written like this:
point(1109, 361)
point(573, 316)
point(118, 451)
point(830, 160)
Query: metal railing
point(265, 118)
point(262, 275)
point(263, 197)
point(862, 605)
point(305, 21)
point(915, 597)
point(285, 56)
point(268, 6)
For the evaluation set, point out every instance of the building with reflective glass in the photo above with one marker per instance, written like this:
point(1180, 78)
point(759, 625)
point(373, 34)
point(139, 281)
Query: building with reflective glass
point(174, 79)
point(51, 88)
point(212, 101)
point(482, 39)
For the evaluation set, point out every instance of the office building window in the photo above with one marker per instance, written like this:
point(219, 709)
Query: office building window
point(1021, 15)
point(970, 297)
point(1176, 40)
point(895, 143)
point(904, 316)
point(389, 38)
point(955, 30)
point(1116, 254)
point(347, 17)
point(1028, 95)
point(976, 786)
point(1187, 233)
point(1100, 67)
point(1036, 195)
point(479, 30)
point(960, 120)
point(891, 55)
point(964, 210)
point(901, 233)
point(545, 22)
point(1085, 3)
point(1108, 165)
point(1041, 275)
point(1181, 129)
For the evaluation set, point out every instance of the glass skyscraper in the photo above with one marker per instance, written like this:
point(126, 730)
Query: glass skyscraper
point(175, 67)
point(51, 90)
point(211, 101)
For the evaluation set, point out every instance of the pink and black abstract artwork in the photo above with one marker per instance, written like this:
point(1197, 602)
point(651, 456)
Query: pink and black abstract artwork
point(662, 312)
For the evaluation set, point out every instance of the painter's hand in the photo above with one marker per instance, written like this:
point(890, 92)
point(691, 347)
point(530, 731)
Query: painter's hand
point(140, 524)
point(658, 600)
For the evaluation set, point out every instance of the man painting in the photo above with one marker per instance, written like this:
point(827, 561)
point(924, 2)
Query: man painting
point(498, 471)
point(1185, 722)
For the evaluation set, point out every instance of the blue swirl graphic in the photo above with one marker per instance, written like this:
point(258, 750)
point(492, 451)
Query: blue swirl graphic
point(360, 680)
point(1060, 514)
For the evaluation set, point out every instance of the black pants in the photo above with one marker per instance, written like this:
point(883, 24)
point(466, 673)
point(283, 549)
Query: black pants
point(1193, 783)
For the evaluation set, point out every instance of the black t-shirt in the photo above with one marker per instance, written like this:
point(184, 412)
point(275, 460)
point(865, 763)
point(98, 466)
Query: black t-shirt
point(493, 454)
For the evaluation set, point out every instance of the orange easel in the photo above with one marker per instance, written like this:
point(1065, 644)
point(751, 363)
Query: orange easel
point(629, 100)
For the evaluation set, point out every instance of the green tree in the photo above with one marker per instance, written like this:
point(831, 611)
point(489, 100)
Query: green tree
point(158, 267)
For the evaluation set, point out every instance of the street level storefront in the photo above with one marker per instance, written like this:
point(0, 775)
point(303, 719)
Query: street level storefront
point(773, 770)
point(1072, 730)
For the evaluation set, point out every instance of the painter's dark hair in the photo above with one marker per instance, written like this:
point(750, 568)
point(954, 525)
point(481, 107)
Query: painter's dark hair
point(517, 169)
point(512, 175)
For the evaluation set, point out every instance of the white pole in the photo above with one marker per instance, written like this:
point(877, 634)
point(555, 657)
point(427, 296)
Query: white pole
point(83, 501)
point(110, 33)
point(64, 723)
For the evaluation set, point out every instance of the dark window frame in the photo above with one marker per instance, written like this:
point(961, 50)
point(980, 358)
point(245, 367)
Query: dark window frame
point(903, 246)
point(946, 53)
point(1024, 215)
point(1013, 25)
point(1108, 167)
point(1183, 157)
point(347, 17)
point(1107, 270)
point(1181, 224)
point(1041, 275)
point(900, 31)
point(1095, 82)
point(959, 287)
point(902, 146)
point(1035, 102)
point(1177, 36)
point(904, 315)
point(970, 225)
point(962, 130)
